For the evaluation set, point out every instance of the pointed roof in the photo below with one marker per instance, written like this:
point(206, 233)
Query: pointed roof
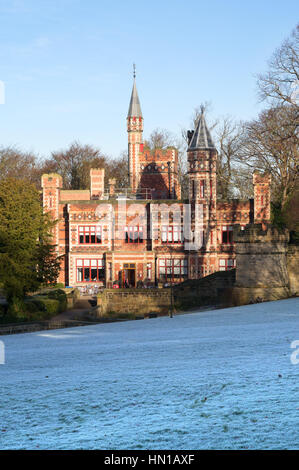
point(134, 108)
point(201, 138)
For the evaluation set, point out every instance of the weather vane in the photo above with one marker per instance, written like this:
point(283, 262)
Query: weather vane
point(134, 70)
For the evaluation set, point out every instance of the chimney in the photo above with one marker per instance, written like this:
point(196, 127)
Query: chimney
point(112, 182)
point(97, 176)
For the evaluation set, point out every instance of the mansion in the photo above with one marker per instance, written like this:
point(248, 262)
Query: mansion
point(147, 234)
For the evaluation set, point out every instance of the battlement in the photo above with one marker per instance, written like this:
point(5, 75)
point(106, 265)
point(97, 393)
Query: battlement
point(51, 180)
point(261, 178)
point(168, 154)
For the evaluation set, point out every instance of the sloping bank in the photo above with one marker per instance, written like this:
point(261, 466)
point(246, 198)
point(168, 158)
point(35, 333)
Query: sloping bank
point(38, 312)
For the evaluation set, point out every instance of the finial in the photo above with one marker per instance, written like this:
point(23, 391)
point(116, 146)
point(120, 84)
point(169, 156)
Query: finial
point(202, 109)
point(134, 71)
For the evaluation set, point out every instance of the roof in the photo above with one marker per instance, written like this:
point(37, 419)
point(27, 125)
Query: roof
point(201, 138)
point(134, 108)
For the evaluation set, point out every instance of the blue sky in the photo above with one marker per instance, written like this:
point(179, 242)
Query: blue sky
point(67, 65)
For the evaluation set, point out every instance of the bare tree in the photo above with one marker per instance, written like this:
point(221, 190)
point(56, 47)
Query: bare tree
point(162, 138)
point(228, 138)
point(271, 143)
point(15, 163)
point(74, 164)
point(280, 84)
point(118, 169)
point(242, 181)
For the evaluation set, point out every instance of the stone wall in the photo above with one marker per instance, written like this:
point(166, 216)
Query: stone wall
point(293, 268)
point(134, 301)
point(261, 256)
point(267, 266)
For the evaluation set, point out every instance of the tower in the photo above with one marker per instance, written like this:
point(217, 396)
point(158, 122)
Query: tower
point(262, 197)
point(135, 142)
point(51, 185)
point(202, 160)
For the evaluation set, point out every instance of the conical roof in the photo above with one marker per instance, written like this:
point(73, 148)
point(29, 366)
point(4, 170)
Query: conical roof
point(201, 138)
point(134, 108)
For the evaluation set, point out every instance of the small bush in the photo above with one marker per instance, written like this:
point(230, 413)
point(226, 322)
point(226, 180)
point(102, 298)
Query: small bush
point(42, 306)
point(59, 285)
point(59, 295)
point(32, 306)
point(38, 305)
point(51, 306)
point(54, 294)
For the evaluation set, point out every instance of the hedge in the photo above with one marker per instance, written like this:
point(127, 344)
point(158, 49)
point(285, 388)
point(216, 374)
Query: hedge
point(52, 302)
point(43, 305)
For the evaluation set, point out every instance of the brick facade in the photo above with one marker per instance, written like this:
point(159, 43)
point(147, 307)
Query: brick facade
point(148, 235)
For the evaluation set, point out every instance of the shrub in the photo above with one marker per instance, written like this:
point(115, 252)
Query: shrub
point(59, 285)
point(42, 304)
point(59, 295)
point(33, 306)
point(51, 306)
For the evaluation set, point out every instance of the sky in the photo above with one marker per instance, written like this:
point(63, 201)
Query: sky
point(66, 65)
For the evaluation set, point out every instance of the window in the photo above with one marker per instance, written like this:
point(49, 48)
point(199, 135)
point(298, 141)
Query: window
point(134, 234)
point(226, 264)
point(227, 234)
point(149, 270)
point(171, 234)
point(90, 270)
point(90, 234)
point(202, 189)
point(173, 269)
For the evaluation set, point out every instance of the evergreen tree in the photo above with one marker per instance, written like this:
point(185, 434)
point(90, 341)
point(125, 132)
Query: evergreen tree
point(27, 258)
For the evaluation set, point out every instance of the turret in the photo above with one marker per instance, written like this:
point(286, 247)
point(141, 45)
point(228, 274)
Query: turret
point(51, 185)
point(135, 141)
point(202, 160)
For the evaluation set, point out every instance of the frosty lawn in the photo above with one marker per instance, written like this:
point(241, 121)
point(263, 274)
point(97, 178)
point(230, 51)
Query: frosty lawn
point(218, 379)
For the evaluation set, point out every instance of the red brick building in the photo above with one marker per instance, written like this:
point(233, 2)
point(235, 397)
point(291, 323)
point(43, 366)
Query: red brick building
point(147, 234)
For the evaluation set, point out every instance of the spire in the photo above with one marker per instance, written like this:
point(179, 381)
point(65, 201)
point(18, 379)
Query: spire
point(201, 138)
point(134, 108)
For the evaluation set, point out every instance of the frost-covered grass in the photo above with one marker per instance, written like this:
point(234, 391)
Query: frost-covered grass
point(218, 379)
